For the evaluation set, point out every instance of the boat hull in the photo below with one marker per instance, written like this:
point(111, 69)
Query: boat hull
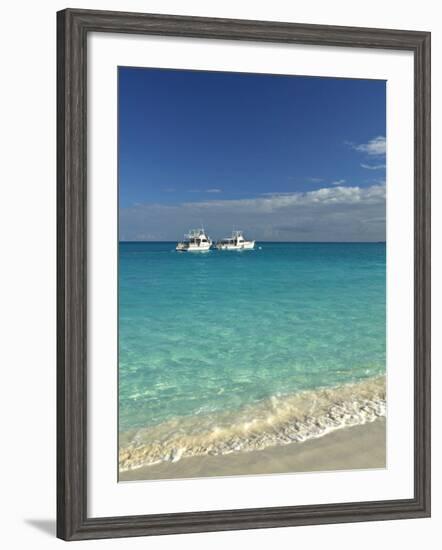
point(185, 248)
point(248, 245)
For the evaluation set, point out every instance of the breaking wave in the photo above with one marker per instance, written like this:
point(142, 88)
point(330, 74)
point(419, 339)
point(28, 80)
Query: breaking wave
point(279, 420)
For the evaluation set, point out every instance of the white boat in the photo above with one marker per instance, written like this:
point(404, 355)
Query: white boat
point(195, 241)
point(235, 242)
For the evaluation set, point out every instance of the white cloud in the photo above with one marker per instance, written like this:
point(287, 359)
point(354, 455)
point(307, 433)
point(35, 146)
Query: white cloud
point(374, 147)
point(211, 190)
point(338, 182)
point(277, 194)
point(341, 195)
point(329, 214)
point(373, 166)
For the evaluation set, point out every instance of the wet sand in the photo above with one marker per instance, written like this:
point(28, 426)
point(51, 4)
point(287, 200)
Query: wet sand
point(357, 447)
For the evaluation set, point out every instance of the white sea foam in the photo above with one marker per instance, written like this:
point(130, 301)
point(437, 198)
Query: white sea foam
point(278, 420)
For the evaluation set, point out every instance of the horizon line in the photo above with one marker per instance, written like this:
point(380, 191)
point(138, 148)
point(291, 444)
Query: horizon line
point(273, 242)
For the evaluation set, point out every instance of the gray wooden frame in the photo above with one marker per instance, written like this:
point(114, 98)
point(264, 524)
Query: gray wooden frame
point(73, 27)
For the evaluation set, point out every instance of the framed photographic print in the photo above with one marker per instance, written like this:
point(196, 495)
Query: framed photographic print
point(243, 274)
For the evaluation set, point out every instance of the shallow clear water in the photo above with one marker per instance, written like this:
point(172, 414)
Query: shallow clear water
point(206, 334)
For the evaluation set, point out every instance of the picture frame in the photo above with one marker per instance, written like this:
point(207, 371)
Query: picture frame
point(73, 28)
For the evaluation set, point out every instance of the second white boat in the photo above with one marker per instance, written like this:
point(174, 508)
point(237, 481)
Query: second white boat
point(235, 242)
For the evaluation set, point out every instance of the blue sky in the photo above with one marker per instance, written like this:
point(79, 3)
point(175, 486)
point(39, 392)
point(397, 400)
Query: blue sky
point(281, 157)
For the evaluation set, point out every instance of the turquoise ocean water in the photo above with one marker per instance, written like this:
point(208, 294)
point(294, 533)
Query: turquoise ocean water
point(225, 350)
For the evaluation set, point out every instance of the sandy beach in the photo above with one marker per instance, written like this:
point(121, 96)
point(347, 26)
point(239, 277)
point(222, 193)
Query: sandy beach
point(357, 447)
